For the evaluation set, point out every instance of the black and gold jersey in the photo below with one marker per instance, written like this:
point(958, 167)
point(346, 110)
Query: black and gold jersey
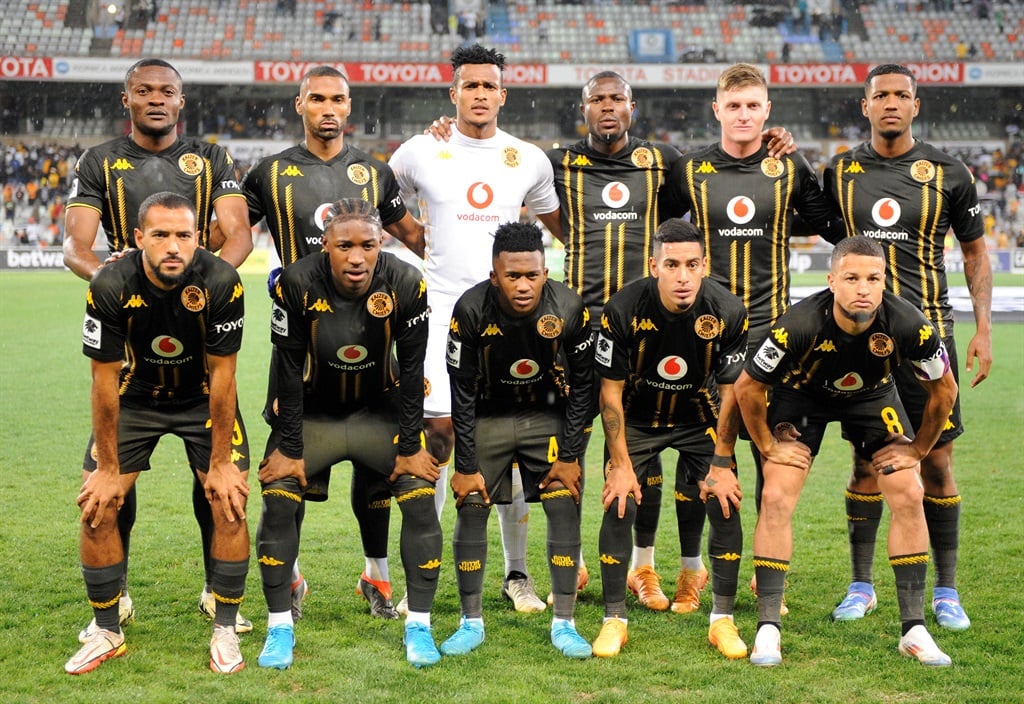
point(807, 351)
point(115, 177)
point(610, 212)
point(499, 363)
point(671, 363)
point(908, 203)
point(743, 207)
point(294, 189)
point(351, 353)
point(163, 337)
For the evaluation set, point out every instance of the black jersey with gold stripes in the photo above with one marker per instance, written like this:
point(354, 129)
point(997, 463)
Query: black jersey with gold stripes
point(671, 363)
point(163, 337)
point(115, 177)
point(499, 363)
point(806, 349)
point(352, 352)
point(908, 203)
point(743, 208)
point(609, 207)
point(294, 189)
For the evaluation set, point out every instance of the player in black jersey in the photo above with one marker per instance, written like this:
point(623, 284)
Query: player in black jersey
point(163, 326)
point(907, 194)
point(293, 191)
point(670, 347)
point(112, 180)
point(350, 327)
point(831, 358)
point(520, 364)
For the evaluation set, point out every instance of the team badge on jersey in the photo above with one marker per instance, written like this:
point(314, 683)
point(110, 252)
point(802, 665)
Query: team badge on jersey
point(706, 327)
point(191, 164)
point(549, 326)
point(772, 167)
point(193, 299)
point(358, 174)
point(642, 158)
point(511, 157)
point(426, 386)
point(380, 304)
point(881, 345)
point(922, 171)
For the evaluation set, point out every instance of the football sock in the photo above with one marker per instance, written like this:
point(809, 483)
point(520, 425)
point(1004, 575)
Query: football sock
point(513, 519)
point(909, 572)
point(203, 512)
point(771, 583)
point(469, 552)
point(563, 546)
point(125, 523)
point(642, 556)
point(942, 514)
point(371, 505)
point(725, 546)
point(227, 584)
point(420, 540)
point(277, 544)
point(103, 589)
point(863, 514)
point(614, 546)
point(376, 568)
point(279, 618)
point(418, 617)
point(648, 513)
point(690, 512)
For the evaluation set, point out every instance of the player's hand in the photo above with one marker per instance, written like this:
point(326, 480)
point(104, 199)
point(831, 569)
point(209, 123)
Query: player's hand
point(569, 474)
point(724, 485)
point(789, 452)
point(114, 256)
point(276, 467)
point(897, 455)
point(101, 491)
point(619, 482)
point(465, 484)
point(422, 465)
point(441, 128)
point(227, 489)
point(980, 348)
point(780, 141)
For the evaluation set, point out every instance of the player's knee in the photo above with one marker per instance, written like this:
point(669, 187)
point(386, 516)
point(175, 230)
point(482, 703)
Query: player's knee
point(905, 496)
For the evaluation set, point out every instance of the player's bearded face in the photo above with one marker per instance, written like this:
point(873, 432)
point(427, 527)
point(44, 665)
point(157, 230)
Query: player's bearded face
point(857, 282)
point(154, 100)
point(168, 240)
point(890, 105)
point(608, 110)
point(324, 104)
point(519, 278)
point(353, 247)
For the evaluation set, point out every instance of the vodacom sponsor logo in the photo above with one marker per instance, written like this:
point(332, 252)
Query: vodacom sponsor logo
point(479, 195)
point(615, 194)
point(320, 215)
point(885, 212)
point(672, 368)
point(740, 210)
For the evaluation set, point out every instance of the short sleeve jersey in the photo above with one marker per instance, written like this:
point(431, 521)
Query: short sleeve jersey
point(908, 203)
point(543, 360)
point(671, 363)
point(742, 207)
point(116, 176)
point(358, 350)
point(294, 189)
point(609, 209)
point(163, 337)
point(466, 188)
point(807, 351)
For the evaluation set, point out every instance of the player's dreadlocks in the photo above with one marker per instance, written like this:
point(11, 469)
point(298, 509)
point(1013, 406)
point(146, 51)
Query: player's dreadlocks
point(352, 209)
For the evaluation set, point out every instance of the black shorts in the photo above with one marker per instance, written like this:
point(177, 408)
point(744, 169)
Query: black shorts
point(915, 397)
point(529, 438)
point(139, 429)
point(693, 443)
point(367, 438)
point(866, 422)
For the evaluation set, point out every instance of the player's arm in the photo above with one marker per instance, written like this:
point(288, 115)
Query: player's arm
point(233, 224)
point(81, 223)
point(721, 482)
point(410, 232)
point(620, 478)
point(226, 488)
point(553, 221)
point(978, 272)
point(102, 490)
point(413, 458)
point(900, 454)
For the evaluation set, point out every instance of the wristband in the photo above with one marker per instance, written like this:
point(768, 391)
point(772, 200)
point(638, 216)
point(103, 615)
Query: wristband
point(721, 461)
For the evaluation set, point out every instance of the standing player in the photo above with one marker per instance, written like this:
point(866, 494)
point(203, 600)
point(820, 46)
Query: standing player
point(907, 194)
point(670, 346)
point(520, 361)
point(293, 190)
point(831, 358)
point(466, 187)
point(111, 181)
point(349, 325)
point(163, 326)
point(741, 198)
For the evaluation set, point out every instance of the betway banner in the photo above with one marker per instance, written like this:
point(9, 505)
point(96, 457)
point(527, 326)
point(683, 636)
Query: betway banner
point(93, 70)
point(37, 258)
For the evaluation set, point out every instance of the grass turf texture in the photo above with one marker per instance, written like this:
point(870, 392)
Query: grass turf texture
point(343, 654)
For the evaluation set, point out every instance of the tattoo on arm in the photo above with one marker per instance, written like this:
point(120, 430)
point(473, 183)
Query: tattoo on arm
point(612, 423)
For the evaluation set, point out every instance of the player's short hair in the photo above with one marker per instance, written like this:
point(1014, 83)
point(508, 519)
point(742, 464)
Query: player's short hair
point(143, 63)
point(887, 69)
point(166, 199)
point(517, 237)
point(601, 75)
point(475, 54)
point(859, 245)
point(322, 72)
point(678, 230)
point(741, 76)
point(352, 209)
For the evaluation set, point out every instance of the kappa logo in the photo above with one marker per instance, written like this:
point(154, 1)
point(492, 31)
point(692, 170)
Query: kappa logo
point(444, 155)
point(609, 560)
point(706, 168)
point(122, 164)
point(826, 346)
point(453, 327)
point(925, 333)
point(269, 561)
point(430, 564)
point(581, 160)
point(236, 293)
point(136, 302)
point(321, 306)
point(854, 168)
point(645, 324)
point(292, 170)
point(490, 330)
point(781, 336)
